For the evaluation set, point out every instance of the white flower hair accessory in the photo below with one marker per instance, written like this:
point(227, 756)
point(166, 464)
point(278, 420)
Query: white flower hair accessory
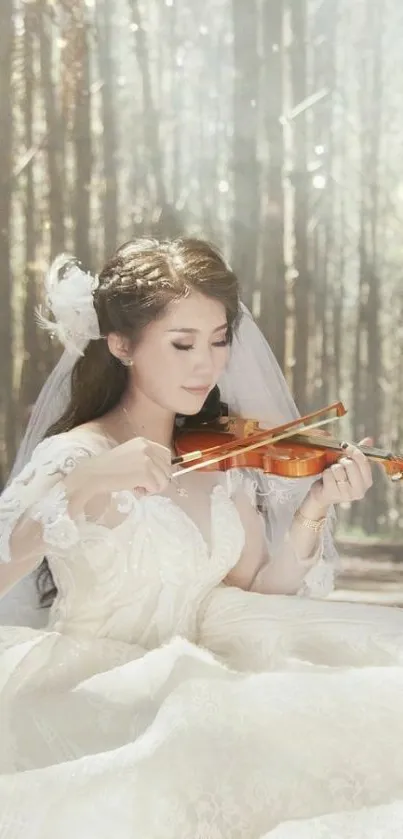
point(69, 298)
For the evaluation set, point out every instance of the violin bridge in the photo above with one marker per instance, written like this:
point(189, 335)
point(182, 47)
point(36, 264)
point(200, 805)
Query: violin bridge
point(237, 425)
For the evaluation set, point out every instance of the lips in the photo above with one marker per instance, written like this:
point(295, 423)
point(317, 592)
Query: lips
point(197, 391)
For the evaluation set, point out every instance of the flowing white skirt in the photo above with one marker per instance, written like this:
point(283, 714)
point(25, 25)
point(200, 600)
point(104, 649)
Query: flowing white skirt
point(285, 722)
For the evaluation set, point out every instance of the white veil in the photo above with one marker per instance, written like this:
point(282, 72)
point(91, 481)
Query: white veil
point(68, 296)
point(253, 386)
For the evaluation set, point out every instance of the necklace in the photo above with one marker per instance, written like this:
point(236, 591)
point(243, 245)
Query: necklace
point(179, 489)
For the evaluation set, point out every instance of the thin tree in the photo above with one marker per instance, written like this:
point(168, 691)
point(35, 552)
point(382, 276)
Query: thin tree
point(6, 168)
point(246, 209)
point(104, 23)
point(302, 293)
point(273, 286)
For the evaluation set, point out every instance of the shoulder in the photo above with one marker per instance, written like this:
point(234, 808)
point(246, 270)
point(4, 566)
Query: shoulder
point(61, 452)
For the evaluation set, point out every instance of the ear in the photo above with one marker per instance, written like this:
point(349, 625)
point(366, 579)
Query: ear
point(120, 347)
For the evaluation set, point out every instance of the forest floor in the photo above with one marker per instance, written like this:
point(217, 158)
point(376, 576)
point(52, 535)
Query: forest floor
point(370, 574)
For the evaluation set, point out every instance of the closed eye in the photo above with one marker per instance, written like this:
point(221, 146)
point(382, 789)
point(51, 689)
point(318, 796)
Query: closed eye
point(223, 343)
point(182, 346)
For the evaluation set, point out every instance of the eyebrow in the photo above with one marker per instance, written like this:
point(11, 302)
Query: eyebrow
point(193, 331)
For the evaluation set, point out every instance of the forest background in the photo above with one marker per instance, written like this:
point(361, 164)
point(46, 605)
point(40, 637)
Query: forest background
point(272, 127)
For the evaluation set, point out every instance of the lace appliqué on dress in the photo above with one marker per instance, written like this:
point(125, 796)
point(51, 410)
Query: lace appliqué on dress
point(10, 510)
point(238, 480)
point(125, 500)
point(59, 530)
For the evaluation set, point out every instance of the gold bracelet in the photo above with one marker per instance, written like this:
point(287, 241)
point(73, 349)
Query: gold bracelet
point(312, 524)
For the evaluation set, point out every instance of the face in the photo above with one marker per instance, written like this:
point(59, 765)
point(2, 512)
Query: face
point(181, 356)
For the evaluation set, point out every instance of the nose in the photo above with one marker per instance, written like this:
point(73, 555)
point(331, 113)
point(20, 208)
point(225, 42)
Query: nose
point(203, 363)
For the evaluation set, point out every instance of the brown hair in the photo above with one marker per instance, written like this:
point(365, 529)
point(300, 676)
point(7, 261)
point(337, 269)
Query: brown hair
point(135, 287)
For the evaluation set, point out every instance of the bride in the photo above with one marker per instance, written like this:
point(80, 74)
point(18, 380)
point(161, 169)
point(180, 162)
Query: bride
point(179, 688)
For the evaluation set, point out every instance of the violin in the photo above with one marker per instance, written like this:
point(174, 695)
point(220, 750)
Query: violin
point(291, 450)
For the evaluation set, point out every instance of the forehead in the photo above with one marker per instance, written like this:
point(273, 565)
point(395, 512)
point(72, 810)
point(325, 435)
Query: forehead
point(196, 312)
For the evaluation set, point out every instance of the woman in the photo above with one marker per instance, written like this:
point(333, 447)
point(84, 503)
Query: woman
point(177, 689)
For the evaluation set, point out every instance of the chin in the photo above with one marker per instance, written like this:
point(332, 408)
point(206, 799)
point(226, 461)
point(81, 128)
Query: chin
point(192, 413)
point(188, 411)
point(191, 406)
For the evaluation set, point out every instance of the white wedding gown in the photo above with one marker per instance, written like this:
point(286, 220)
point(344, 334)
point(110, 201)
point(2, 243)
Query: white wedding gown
point(163, 704)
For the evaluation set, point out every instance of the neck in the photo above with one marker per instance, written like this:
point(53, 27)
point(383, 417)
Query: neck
point(145, 418)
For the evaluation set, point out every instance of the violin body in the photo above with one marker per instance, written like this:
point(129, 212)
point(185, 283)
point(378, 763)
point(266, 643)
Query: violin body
point(244, 444)
point(291, 460)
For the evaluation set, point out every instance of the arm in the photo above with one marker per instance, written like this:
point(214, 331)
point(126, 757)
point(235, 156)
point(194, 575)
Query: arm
point(50, 520)
point(67, 484)
point(39, 510)
point(284, 571)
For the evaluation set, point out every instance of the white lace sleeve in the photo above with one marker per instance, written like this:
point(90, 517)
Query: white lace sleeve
point(319, 580)
point(39, 490)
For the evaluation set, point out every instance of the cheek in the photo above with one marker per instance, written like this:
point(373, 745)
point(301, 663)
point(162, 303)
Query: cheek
point(150, 368)
point(222, 359)
point(168, 370)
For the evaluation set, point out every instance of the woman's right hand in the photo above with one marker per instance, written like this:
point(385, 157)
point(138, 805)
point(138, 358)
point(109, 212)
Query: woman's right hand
point(139, 465)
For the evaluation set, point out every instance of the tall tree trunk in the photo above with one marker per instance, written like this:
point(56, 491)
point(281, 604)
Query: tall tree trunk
point(31, 347)
point(361, 338)
point(338, 293)
point(54, 132)
point(151, 122)
point(300, 179)
point(82, 142)
point(245, 164)
point(6, 167)
point(375, 507)
point(109, 117)
point(367, 393)
point(172, 20)
point(324, 39)
point(273, 290)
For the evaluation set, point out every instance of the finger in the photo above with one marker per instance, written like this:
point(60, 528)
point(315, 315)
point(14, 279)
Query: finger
point(338, 472)
point(148, 486)
point(335, 492)
point(355, 454)
point(162, 464)
point(162, 452)
point(153, 479)
point(343, 488)
point(358, 485)
point(158, 479)
point(367, 441)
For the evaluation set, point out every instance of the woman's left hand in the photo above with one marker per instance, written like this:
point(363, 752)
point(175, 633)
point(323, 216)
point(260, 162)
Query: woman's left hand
point(345, 481)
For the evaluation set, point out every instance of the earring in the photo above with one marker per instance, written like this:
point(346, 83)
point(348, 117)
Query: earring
point(127, 362)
